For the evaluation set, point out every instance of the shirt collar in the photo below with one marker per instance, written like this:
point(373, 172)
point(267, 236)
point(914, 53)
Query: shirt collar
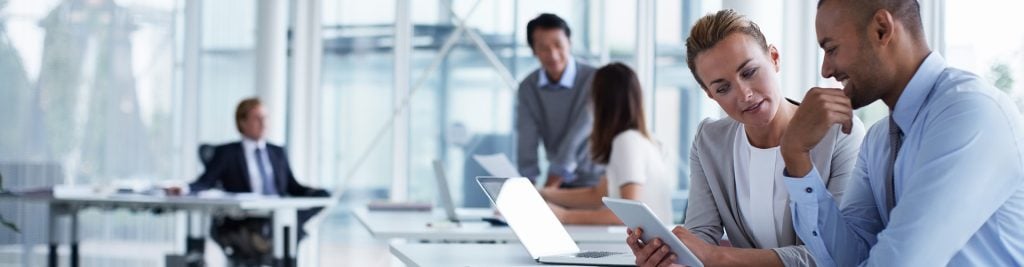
point(251, 145)
point(568, 76)
point(912, 99)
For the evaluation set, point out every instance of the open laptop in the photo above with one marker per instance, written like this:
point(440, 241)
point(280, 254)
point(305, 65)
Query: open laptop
point(449, 206)
point(538, 229)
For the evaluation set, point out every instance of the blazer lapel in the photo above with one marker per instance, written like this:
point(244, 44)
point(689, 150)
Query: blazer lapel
point(246, 180)
point(277, 172)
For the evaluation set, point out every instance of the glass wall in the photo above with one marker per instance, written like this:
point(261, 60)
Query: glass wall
point(226, 67)
point(462, 106)
point(357, 82)
point(89, 90)
point(980, 38)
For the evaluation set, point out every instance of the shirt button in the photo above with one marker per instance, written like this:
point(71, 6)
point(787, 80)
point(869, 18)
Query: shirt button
point(814, 233)
point(808, 190)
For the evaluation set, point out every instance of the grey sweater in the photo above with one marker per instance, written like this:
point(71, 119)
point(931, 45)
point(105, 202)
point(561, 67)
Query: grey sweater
point(561, 121)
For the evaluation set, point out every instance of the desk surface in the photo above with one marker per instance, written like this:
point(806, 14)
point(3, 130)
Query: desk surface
point(432, 226)
point(424, 255)
point(174, 202)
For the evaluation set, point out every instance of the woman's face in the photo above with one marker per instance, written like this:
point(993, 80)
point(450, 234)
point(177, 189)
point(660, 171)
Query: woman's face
point(742, 78)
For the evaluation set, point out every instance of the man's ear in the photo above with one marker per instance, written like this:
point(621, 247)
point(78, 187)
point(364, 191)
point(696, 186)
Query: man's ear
point(882, 27)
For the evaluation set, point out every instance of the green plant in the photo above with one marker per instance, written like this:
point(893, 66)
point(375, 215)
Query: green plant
point(3, 220)
point(1002, 77)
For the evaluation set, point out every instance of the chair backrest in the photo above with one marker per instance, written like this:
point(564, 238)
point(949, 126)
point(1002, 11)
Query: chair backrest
point(205, 154)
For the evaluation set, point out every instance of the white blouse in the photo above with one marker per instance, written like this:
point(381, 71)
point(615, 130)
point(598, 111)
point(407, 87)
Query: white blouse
point(760, 190)
point(636, 159)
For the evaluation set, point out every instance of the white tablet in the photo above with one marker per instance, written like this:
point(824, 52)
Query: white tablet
point(636, 214)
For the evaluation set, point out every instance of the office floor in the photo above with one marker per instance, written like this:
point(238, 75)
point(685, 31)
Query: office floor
point(344, 242)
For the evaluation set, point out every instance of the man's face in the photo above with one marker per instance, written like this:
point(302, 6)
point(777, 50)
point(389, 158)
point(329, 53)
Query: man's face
point(254, 124)
point(850, 57)
point(552, 48)
point(742, 78)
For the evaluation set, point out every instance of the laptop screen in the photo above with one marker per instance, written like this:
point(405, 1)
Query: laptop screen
point(443, 193)
point(529, 216)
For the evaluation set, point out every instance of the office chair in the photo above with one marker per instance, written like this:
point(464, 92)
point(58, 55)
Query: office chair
point(205, 153)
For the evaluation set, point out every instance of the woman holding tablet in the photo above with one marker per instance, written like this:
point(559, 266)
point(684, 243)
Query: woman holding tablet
point(736, 168)
point(636, 167)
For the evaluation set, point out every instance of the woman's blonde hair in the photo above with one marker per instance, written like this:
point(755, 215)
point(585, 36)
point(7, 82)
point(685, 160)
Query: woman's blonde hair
point(712, 29)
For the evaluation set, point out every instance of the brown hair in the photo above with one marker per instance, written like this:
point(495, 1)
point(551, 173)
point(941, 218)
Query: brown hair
point(712, 29)
point(243, 109)
point(618, 106)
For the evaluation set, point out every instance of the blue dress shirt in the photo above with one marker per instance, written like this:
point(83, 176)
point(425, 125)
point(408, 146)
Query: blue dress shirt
point(566, 81)
point(959, 183)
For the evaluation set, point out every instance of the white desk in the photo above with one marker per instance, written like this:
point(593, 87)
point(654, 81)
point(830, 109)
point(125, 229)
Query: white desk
point(431, 227)
point(281, 210)
point(425, 255)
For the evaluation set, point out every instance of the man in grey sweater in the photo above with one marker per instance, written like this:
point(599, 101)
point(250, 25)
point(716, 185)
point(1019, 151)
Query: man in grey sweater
point(551, 109)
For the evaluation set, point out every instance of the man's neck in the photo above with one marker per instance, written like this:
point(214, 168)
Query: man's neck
point(554, 77)
point(254, 141)
point(906, 68)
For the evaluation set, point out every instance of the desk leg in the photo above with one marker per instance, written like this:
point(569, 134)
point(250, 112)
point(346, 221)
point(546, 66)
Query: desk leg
point(75, 260)
point(284, 237)
point(51, 230)
point(195, 240)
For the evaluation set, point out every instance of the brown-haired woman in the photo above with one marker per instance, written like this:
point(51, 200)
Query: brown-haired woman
point(736, 182)
point(636, 167)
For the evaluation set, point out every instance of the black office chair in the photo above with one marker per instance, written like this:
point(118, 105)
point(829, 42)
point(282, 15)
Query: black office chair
point(206, 153)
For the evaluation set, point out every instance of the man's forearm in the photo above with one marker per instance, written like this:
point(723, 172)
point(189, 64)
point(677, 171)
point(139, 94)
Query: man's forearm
point(553, 181)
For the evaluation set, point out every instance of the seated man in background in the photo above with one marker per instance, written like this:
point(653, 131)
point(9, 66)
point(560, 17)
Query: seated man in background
point(251, 166)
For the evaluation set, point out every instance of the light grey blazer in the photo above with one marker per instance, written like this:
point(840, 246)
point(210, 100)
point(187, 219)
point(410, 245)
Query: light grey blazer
point(712, 206)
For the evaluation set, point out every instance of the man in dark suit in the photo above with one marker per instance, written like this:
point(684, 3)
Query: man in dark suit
point(251, 166)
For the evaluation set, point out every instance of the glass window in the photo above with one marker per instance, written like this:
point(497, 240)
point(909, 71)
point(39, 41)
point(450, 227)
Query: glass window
point(226, 67)
point(981, 37)
point(89, 89)
point(357, 67)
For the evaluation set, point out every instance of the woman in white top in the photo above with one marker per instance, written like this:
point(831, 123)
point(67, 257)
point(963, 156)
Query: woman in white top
point(636, 167)
point(736, 184)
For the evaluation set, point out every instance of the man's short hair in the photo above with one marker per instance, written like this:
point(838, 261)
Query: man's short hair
point(243, 109)
point(907, 12)
point(546, 21)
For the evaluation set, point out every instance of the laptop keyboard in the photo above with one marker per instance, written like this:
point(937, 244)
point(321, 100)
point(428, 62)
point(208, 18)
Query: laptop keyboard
point(595, 254)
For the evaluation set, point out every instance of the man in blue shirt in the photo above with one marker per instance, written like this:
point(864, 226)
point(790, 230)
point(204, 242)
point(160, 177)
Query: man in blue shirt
point(938, 182)
point(551, 109)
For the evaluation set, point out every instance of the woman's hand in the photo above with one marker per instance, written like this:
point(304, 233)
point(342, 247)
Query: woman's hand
point(704, 251)
point(652, 254)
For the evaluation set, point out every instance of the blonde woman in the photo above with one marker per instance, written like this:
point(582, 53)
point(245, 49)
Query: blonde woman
point(735, 163)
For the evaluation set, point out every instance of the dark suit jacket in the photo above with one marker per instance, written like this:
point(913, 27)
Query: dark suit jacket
point(228, 171)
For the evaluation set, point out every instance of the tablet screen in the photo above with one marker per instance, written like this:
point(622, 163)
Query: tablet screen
point(636, 214)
